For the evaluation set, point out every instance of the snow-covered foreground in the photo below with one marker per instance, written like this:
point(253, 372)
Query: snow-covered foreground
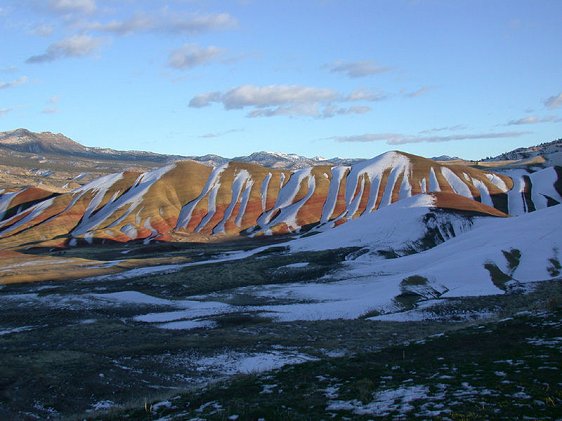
point(453, 268)
point(524, 249)
point(474, 256)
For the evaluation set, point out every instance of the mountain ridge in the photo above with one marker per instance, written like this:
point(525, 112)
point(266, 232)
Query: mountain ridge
point(27, 141)
point(549, 153)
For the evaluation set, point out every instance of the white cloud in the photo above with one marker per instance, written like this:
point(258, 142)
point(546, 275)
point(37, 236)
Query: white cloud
point(214, 135)
point(444, 129)
point(554, 101)
point(189, 56)
point(533, 119)
point(310, 110)
point(357, 69)
point(4, 111)
point(42, 30)
point(418, 92)
point(74, 46)
point(201, 23)
point(139, 23)
point(332, 111)
point(287, 100)
point(365, 95)
point(402, 139)
point(165, 23)
point(204, 100)
point(272, 95)
point(52, 105)
point(14, 83)
point(66, 6)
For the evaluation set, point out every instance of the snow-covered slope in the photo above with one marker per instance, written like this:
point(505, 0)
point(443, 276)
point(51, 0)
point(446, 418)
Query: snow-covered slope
point(485, 256)
point(187, 200)
point(407, 226)
point(478, 255)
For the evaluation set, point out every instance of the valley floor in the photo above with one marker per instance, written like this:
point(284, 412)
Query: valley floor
point(198, 341)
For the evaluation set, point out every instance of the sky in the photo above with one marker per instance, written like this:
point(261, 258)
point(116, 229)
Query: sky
point(313, 77)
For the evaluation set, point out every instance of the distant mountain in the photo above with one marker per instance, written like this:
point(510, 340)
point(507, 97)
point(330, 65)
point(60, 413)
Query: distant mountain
point(47, 143)
point(549, 153)
point(446, 158)
point(290, 161)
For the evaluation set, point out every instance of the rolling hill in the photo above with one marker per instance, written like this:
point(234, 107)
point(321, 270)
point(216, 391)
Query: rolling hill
point(189, 201)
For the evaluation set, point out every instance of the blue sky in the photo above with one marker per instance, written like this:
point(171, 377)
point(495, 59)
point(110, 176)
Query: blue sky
point(313, 77)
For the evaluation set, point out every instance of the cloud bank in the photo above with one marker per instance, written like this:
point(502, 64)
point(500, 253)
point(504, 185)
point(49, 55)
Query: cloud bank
point(165, 23)
point(402, 139)
point(357, 69)
point(287, 100)
point(533, 119)
point(74, 46)
point(189, 56)
point(554, 101)
point(72, 6)
point(19, 81)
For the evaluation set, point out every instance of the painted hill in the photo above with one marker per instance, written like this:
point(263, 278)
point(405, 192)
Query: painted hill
point(188, 201)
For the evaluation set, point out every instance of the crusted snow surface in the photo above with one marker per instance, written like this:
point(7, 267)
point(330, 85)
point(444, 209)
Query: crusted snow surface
point(384, 227)
point(153, 231)
point(374, 169)
point(240, 179)
point(374, 193)
point(384, 402)
point(497, 181)
point(515, 200)
point(288, 214)
point(32, 213)
point(132, 297)
point(263, 190)
point(100, 184)
point(423, 185)
point(132, 198)
point(433, 183)
point(130, 231)
point(244, 202)
point(188, 325)
point(405, 187)
point(453, 268)
point(456, 183)
point(484, 192)
point(190, 310)
point(354, 205)
point(542, 186)
point(285, 198)
point(186, 212)
point(5, 199)
point(211, 207)
point(333, 191)
point(535, 235)
point(236, 362)
point(387, 195)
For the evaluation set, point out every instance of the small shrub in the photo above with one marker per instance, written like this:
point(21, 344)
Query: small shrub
point(513, 258)
point(498, 277)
